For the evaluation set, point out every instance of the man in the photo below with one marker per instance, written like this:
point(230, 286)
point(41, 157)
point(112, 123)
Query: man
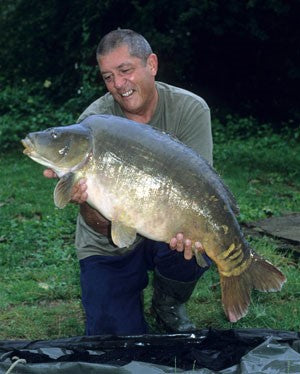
point(113, 279)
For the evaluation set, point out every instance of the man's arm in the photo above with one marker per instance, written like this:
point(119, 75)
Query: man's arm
point(91, 216)
point(94, 219)
point(196, 131)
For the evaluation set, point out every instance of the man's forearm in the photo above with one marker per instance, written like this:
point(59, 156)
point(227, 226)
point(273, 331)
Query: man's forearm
point(94, 219)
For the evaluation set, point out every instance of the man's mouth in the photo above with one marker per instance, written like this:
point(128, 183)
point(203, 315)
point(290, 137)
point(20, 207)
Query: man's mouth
point(127, 93)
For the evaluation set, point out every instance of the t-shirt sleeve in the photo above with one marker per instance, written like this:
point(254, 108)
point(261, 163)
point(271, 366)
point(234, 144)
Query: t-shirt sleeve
point(195, 129)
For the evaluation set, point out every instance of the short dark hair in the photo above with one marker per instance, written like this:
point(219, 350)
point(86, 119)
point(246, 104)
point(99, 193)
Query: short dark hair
point(137, 44)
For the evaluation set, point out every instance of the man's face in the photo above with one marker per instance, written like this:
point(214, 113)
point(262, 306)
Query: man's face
point(130, 81)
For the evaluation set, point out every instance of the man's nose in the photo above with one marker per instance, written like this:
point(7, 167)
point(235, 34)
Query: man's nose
point(119, 82)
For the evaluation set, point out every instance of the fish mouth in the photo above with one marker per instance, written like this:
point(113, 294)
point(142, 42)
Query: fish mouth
point(27, 144)
point(31, 151)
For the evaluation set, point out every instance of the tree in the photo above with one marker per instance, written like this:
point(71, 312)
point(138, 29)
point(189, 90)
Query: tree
point(239, 55)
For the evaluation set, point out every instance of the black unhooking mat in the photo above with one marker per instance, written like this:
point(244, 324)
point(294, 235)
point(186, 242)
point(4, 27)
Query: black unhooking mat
point(205, 351)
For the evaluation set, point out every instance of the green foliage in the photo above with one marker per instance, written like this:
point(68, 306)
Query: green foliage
point(24, 108)
point(52, 40)
point(39, 271)
point(262, 167)
point(224, 51)
point(234, 127)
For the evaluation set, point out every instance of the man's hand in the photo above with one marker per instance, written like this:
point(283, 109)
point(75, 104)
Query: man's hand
point(79, 192)
point(49, 173)
point(180, 244)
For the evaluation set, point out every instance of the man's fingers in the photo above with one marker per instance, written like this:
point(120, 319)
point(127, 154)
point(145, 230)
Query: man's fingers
point(188, 252)
point(173, 243)
point(83, 198)
point(80, 197)
point(180, 244)
point(48, 173)
point(79, 192)
point(199, 247)
point(82, 183)
point(177, 242)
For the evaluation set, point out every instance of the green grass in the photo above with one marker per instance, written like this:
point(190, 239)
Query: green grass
point(39, 272)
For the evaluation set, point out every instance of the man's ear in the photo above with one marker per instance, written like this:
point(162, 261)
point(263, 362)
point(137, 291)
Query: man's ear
point(152, 63)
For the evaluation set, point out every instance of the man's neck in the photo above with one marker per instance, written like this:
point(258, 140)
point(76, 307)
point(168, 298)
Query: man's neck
point(144, 116)
point(140, 118)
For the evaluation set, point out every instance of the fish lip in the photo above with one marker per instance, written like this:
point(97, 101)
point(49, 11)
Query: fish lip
point(28, 146)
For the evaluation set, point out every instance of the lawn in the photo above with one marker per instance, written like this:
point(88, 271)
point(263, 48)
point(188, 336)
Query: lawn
point(39, 273)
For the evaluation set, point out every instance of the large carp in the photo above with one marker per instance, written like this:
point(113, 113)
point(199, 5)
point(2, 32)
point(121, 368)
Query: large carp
point(146, 182)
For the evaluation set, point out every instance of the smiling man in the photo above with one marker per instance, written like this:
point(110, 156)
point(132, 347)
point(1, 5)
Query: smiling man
point(112, 278)
point(130, 80)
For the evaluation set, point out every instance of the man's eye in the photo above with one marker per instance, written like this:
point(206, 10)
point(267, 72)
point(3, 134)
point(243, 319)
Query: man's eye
point(107, 78)
point(125, 71)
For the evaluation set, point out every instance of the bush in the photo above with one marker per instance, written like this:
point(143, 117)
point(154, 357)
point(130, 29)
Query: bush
point(233, 127)
point(223, 50)
point(26, 108)
point(23, 110)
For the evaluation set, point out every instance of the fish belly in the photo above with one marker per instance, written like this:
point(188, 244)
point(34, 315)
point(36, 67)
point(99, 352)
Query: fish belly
point(140, 203)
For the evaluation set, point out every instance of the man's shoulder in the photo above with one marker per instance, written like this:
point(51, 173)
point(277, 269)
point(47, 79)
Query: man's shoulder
point(103, 105)
point(173, 93)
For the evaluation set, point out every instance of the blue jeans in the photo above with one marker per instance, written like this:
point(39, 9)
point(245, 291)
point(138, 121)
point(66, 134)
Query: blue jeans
point(112, 285)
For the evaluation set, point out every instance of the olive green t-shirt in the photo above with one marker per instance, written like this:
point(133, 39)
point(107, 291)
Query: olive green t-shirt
point(179, 113)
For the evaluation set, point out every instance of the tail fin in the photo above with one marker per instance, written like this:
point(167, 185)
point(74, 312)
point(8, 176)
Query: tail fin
point(236, 290)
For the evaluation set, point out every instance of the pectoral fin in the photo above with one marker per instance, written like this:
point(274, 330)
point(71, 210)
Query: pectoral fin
point(63, 189)
point(122, 235)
